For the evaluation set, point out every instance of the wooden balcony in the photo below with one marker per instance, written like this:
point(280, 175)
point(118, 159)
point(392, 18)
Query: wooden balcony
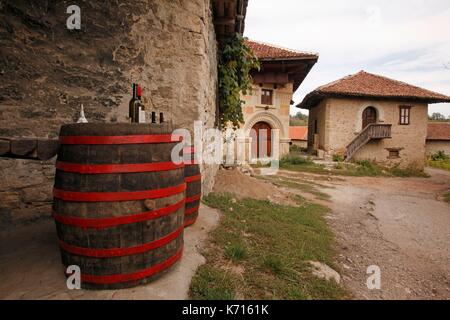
point(373, 131)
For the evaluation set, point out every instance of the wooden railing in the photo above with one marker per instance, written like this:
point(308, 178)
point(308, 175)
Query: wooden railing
point(372, 131)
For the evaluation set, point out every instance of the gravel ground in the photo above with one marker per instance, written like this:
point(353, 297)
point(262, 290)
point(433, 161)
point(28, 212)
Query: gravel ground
point(401, 225)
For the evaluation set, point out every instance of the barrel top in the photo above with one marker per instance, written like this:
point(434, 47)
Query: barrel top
point(114, 129)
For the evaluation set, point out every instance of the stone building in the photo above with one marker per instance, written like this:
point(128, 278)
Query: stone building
point(366, 116)
point(266, 106)
point(47, 71)
point(299, 136)
point(438, 138)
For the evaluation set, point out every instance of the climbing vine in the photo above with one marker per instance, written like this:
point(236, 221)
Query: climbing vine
point(236, 60)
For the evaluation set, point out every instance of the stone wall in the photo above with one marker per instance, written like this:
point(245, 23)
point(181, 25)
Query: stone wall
point(47, 71)
point(344, 123)
point(318, 115)
point(276, 115)
point(433, 146)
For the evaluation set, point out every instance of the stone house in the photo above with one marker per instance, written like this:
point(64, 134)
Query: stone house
point(438, 138)
point(299, 136)
point(47, 71)
point(366, 116)
point(266, 107)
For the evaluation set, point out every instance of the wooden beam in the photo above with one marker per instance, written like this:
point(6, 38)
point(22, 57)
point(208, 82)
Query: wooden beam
point(224, 21)
point(28, 148)
point(271, 78)
point(47, 148)
point(5, 146)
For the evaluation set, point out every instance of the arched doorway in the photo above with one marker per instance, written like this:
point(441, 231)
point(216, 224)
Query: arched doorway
point(261, 140)
point(369, 116)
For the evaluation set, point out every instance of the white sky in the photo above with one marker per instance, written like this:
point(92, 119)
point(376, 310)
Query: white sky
point(407, 40)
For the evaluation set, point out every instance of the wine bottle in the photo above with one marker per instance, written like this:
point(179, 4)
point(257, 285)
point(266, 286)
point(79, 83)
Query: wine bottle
point(141, 108)
point(133, 105)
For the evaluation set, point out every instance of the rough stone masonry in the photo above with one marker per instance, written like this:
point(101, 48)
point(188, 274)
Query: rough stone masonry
point(48, 71)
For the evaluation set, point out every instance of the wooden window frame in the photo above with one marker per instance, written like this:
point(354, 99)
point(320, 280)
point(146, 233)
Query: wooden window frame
point(268, 102)
point(404, 118)
point(394, 153)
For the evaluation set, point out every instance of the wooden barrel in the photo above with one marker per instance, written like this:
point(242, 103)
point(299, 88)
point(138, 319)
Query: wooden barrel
point(193, 180)
point(118, 203)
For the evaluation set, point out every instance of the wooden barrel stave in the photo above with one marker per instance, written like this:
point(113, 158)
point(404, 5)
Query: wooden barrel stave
point(123, 268)
point(192, 176)
point(115, 154)
point(69, 181)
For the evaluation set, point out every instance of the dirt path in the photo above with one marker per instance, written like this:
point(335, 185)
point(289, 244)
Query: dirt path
point(398, 224)
point(30, 265)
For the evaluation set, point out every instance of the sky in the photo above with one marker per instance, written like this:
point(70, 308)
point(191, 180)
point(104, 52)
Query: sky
point(407, 40)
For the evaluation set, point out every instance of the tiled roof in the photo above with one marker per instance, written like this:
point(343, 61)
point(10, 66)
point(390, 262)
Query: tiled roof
point(438, 131)
point(298, 133)
point(364, 84)
point(268, 51)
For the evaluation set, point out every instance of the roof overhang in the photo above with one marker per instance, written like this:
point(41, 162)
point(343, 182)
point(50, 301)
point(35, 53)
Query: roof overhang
point(229, 17)
point(284, 70)
point(314, 98)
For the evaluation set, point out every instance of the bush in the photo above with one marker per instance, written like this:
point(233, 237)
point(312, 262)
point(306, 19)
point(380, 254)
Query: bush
point(295, 160)
point(338, 157)
point(408, 172)
point(440, 156)
point(367, 167)
point(294, 148)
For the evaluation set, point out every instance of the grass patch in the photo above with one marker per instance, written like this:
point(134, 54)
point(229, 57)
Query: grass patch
point(338, 157)
point(447, 197)
point(305, 186)
point(298, 163)
point(363, 168)
point(440, 164)
point(274, 264)
point(235, 252)
point(270, 243)
point(210, 283)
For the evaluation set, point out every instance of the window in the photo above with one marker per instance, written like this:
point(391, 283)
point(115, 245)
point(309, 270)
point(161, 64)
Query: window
point(405, 113)
point(266, 96)
point(394, 153)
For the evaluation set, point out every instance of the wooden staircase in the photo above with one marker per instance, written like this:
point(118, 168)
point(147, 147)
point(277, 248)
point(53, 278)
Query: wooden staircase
point(371, 132)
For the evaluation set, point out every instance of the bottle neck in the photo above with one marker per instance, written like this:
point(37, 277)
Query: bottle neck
point(139, 92)
point(134, 91)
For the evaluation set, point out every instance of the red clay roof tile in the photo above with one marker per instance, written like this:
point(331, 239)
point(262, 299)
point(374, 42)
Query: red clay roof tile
point(298, 133)
point(364, 84)
point(438, 131)
point(268, 51)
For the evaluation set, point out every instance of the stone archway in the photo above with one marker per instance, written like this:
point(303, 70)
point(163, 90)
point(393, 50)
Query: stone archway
point(261, 135)
point(362, 108)
point(269, 118)
point(369, 116)
point(279, 143)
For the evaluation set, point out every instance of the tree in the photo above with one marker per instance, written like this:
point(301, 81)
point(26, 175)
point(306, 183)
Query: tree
point(437, 116)
point(299, 119)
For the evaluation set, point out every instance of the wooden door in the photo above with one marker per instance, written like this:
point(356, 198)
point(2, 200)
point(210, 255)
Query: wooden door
point(261, 136)
point(369, 116)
